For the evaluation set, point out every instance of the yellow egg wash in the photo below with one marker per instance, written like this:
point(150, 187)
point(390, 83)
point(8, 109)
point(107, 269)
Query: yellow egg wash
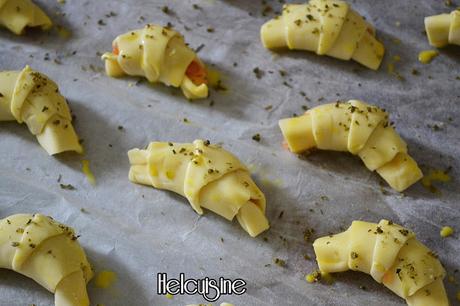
point(267, 181)
point(215, 79)
point(170, 174)
point(87, 171)
point(213, 76)
point(105, 279)
point(427, 56)
point(446, 231)
point(310, 278)
point(435, 176)
point(391, 67)
point(63, 32)
point(317, 276)
point(153, 170)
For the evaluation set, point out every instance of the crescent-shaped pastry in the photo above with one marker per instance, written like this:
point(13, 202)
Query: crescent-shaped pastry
point(49, 253)
point(443, 29)
point(326, 27)
point(16, 15)
point(31, 97)
point(360, 129)
point(207, 175)
point(391, 255)
point(159, 54)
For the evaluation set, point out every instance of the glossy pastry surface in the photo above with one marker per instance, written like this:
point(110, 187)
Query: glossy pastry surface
point(49, 253)
point(443, 29)
point(32, 98)
point(159, 54)
point(359, 128)
point(326, 27)
point(17, 15)
point(391, 254)
point(207, 175)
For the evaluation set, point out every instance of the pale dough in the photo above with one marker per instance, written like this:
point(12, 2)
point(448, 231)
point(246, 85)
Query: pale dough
point(443, 29)
point(358, 128)
point(32, 98)
point(157, 53)
point(16, 15)
point(326, 27)
point(391, 255)
point(49, 253)
point(207, 175)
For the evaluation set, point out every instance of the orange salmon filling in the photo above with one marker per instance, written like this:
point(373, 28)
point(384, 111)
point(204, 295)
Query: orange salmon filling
point(197, 73)
point(115, 49)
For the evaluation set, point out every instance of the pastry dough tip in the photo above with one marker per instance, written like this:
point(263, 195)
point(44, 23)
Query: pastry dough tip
point(19, 15)
point(443, 29)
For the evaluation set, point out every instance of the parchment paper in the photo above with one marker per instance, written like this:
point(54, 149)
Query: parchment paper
point(138, 231)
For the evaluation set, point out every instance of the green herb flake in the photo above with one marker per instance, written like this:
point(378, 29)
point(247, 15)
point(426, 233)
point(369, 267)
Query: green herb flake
point(67, 187)
point(279, 262)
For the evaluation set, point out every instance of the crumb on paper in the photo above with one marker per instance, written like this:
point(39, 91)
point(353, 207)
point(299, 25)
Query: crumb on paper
point(425, 57)
point(446, 231)
point(317, 276)
point(279, 262)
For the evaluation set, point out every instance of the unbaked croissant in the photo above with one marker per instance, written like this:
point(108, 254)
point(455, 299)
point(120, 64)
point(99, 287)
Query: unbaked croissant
point(49, 253)
point(391, 255)
point(31, 97)
point(161, 55)
point(207, 175)
point(16, 15)
point(443, 29)
point(360, 129)
point(327, 27)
